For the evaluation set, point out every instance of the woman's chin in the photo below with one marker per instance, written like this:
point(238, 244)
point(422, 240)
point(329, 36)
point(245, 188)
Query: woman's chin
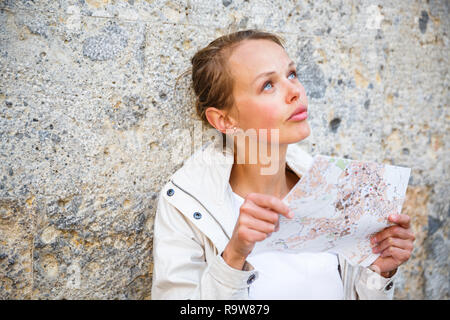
point(299, 133)
point(288, 135)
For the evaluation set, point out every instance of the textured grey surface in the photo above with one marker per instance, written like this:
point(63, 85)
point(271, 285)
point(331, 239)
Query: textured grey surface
point(93, 123)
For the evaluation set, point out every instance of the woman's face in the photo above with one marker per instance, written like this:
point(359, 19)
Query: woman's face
point(267, 92)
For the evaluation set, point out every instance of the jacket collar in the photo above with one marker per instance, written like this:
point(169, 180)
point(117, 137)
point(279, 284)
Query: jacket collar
point(205, 176)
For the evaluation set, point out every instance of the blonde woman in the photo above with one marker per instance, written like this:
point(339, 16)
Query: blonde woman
point(215, 208)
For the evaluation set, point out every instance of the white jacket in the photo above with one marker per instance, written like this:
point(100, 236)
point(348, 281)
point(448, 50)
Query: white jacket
point(194, 222)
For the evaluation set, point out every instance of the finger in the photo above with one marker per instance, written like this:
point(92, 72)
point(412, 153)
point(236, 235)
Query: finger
point(394, 232)
point(401, 219)
point(277, 225)
point(394, 242)
point(252, 235)
point(270, 202)
point(397, 254)
point(256, 224)
point(259, 213)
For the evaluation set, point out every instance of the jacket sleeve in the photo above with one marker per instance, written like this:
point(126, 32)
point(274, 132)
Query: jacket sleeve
point(371, 285)
point(362, 283)
point(180, 266)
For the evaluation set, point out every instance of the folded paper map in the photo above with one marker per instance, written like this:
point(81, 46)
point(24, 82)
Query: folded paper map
point(338, 204)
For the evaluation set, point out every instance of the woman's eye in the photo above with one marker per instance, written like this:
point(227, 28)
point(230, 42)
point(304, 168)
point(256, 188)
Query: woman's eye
point(266, 84)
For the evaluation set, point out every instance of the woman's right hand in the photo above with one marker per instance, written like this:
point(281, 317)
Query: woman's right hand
point(258, 218)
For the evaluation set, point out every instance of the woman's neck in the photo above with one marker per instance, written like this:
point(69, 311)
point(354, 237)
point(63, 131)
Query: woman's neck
point(247, 177)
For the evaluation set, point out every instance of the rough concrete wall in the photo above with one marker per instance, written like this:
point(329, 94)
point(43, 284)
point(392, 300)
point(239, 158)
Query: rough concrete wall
point(92, 124)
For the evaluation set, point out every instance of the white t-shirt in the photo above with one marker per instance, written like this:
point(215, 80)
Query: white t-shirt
point(293, 275)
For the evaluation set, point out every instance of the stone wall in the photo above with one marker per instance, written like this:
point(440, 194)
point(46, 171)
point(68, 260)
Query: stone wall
point(93, 123)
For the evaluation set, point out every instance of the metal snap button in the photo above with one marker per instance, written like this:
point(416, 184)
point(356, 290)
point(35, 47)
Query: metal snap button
point(170, 192)
point(251, 278)
point(389, 285)
point(197, 215)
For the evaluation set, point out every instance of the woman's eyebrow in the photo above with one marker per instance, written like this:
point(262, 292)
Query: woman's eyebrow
point(270, 72)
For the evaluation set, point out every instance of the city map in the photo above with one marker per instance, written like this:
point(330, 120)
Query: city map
point(338, 204)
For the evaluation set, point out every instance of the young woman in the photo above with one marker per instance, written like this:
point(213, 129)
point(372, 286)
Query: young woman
point(215, 208)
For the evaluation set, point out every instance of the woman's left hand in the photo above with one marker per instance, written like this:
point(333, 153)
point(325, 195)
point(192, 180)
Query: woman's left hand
point(395, 243)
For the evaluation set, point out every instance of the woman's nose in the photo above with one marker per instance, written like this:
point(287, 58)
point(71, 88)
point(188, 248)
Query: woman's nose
point(293, 92)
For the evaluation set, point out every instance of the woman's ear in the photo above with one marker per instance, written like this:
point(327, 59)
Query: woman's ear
point(219, 119)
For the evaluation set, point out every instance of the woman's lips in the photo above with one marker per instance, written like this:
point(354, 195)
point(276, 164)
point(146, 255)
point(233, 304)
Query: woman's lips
point(299, 114)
